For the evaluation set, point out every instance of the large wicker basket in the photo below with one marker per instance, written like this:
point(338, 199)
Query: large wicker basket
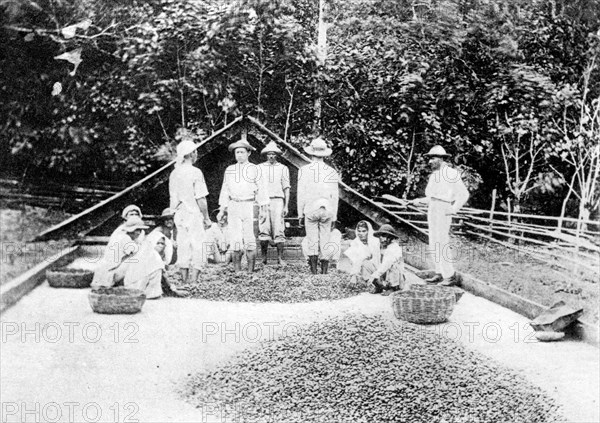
point(458, 293)
point(117, 300)
point(423, 306)
point(69, 278)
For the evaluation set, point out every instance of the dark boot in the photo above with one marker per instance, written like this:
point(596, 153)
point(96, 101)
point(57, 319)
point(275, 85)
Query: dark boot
point(184, 274)
point(280, 253)
point(251, 256)
point(236, 258)
point(324, 266)
point(451, 281)
point(313, 262)
point(435, 279)
point(378, 287)
point(264, 250)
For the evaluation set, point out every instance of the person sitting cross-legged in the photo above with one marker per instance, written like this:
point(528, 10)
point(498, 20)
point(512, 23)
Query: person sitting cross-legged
point(389, 274)
point(166, 228)
point(364, 250)
point(160, 243)
point(131, 261)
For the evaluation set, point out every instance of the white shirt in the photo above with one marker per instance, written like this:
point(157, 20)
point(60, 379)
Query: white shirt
point(392, 254)
point(277, 178)
point(186, 185)
point(243, 182)
point(445, 184)
point(318, 187)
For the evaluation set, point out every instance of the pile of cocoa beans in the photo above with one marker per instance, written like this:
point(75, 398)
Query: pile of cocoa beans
point(290, 283)
point(359, 368)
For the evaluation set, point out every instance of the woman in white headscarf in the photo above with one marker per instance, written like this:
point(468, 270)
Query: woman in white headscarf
point(160, 243)
point(146, 268)
point(364, 248)
point(122, 247)
point(129, 211)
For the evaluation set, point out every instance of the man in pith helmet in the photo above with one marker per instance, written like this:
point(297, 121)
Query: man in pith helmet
point(188, 192)
point(318, 195)
point(272, 224)
point(445, 195)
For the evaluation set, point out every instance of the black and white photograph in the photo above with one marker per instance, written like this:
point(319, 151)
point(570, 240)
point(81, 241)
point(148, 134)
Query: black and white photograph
point(298, 211)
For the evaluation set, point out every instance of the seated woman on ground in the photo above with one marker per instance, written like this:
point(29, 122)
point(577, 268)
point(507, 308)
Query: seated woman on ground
point(130, 260)
point(129, 211)
point(119, 245)
point(159, 242)
point(218, 243)
point(166, 228)
point(364, 251)
point(389, 274)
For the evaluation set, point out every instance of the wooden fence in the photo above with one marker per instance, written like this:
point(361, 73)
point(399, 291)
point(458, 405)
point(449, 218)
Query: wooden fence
point(581, 249)
point(71, 198)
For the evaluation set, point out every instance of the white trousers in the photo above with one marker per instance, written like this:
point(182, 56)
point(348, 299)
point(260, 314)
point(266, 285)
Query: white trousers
point(318, 230)
point(240, 225)
point(441, 251)
point(191, 240)
point(271, 225)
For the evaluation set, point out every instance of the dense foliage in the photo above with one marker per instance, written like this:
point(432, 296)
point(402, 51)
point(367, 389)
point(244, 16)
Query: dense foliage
point(97, 88)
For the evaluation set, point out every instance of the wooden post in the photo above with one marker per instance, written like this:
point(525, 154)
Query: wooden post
point(321, 56)
point(493, 208)
point(508, 218)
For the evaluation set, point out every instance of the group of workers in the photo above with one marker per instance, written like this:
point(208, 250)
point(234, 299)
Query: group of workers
point(188, 237)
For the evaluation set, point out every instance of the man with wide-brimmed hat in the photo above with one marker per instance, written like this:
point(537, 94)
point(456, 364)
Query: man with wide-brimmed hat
point(389, 273)
point(445, 195)
point(318, 195)
point(271, 225)
point(188, 191)
point(242, 187)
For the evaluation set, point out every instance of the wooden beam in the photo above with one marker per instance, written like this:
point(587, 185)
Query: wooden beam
point(82, 223)
point(14, 290)
point(350, 196)
point(530, 309)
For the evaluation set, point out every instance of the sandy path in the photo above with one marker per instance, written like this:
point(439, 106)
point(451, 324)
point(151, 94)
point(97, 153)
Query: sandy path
point(128, 368)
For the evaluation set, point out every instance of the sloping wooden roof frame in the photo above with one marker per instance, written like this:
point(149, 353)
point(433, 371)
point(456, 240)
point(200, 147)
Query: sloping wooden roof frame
point(79, 225)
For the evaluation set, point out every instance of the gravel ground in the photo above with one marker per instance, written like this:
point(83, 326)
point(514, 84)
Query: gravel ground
point(290, 283)
point(537, 281)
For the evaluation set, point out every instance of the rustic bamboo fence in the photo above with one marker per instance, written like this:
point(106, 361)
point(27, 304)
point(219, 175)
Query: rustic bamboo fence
point(516, 230)
point(69, 197)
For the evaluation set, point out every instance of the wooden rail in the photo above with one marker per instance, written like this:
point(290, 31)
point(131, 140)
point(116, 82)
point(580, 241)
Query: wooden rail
point(82, 223)
point(350, 196)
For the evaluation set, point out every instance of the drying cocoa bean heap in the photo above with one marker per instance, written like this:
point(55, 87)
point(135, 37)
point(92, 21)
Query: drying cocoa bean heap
point(291, 283)
point(360, 368)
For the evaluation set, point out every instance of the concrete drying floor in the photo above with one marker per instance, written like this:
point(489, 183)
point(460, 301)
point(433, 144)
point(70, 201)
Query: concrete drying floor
point(61, 362)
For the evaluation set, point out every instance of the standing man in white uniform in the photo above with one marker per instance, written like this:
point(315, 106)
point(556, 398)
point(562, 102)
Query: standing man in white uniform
point(272, 225)
point(187, 189)
point(242, 187)
point(318, 195)
point(445, 195)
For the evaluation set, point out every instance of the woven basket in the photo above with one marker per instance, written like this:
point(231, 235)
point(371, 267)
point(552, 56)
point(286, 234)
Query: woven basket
point(423, 306)
point(69, 278)
point(458, 293)
point(116, 300)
